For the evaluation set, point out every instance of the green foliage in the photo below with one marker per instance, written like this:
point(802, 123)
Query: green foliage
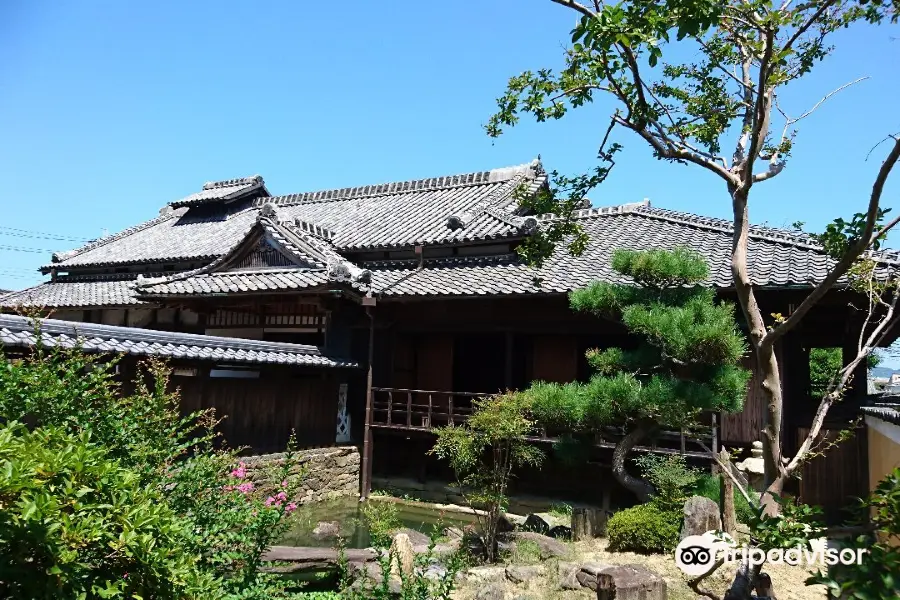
point(381, 518)
point(526, 552)
point(687, 362)
point(483, 453)
point(74, 523)
point(427, 581)
point(877, 575)
point(561, 509)
point(671, 478)
point(211, 521)
point(644, 528)
point(794, 526)
point(709, 486)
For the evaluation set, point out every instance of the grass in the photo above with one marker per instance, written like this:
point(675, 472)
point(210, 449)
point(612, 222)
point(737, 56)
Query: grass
point(561, 509)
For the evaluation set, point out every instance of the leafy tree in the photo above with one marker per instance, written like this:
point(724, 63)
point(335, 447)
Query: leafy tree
point(687, 362)
point(484, 451)
point(719, 112)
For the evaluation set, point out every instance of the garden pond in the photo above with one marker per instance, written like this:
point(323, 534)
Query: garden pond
point(346, 515)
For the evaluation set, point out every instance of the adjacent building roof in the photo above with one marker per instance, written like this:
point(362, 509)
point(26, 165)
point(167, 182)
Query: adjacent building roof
point(20, 332)
point(886, 411)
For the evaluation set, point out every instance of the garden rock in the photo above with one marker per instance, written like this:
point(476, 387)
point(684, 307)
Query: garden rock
point(404, 557)
point(700, 515)
point(454, 533)
point(550, 548)
point(561, 532)
point(568, 579)
point(630, 582)
point(517, 520)
point(492, 591)
point(326, 530)
point(524, 573)
point(487, 574)
point(543, 522)
point(589, 574)
point(416, 537)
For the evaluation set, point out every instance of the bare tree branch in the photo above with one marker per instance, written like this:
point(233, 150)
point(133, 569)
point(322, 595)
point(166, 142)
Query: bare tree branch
point(694, 583)
point(576, 6)
point(865, 240)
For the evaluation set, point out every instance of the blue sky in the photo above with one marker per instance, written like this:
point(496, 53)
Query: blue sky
point(108, 110)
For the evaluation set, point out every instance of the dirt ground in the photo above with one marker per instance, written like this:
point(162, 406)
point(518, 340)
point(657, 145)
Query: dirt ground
point(789, 582)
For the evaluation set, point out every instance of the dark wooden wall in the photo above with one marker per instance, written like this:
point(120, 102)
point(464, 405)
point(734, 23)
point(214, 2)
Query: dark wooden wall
point(260, 413)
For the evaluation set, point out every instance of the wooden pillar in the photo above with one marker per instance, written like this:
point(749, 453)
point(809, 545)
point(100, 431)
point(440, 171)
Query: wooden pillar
point(366, 475)
point(508, 364)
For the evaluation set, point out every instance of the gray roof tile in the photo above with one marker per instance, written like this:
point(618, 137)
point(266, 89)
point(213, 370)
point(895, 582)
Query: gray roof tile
point(385, 216)
point(77, 291)
point(20, 331)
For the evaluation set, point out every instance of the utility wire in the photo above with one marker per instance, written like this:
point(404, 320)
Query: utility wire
point(21, 249)
point(12, 231)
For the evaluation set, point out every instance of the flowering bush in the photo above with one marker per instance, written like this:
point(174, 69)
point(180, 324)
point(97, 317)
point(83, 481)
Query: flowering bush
point(200, 523)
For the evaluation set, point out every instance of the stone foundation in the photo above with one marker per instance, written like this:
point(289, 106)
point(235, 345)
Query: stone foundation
point(327, 472)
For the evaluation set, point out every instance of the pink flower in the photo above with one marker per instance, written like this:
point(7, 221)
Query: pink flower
point(284, 483)
point(270, 501)
point(281, 496)
point(245, 487)
point(239, 473)
point(291, 507)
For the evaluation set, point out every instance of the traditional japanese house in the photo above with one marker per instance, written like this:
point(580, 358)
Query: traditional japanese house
point(422, 277)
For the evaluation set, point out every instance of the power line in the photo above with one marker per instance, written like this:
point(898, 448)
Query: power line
point(12, 231)
point(21, 249)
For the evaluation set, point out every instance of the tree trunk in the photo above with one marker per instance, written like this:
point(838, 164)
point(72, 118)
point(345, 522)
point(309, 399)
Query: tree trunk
point(588, 523)
point(641, 488)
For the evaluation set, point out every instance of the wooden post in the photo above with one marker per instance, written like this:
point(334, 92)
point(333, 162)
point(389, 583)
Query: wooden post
point(726, 496)
point(409, 409)
point(715, 440)
point(428, 424)
point(390, 407)
point(366, 475)
point(450, 416)
point(508, 374)
point(588, 523)
point(682, 441)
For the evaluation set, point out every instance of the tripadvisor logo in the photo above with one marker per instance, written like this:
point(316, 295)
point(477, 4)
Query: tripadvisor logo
point(696, 555)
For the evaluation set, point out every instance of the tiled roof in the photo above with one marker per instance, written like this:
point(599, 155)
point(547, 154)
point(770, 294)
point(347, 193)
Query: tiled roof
point(384, 216)
point(77, 291)
point(777, 258)
point(216, 191)
point(886, 411)
point(238, 281)
point(20, 331)
point(317, 263)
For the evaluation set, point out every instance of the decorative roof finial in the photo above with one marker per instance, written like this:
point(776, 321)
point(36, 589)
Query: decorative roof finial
point(268, 211)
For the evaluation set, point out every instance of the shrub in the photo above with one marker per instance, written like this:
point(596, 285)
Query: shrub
point(77, 524)
point(671, 479)
point(644, 529)
point(708, 487)
point(210, 523)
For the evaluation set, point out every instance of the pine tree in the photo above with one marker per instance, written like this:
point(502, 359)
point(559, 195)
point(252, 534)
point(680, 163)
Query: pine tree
point(687, 360)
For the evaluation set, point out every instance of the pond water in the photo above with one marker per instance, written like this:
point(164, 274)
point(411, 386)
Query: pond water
point(347, 513)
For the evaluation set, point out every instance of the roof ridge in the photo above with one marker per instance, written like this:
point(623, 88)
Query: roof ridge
point(584, 213)
point(456, 260)
point(474, 178)
point(59, 257)
point(211, 185)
